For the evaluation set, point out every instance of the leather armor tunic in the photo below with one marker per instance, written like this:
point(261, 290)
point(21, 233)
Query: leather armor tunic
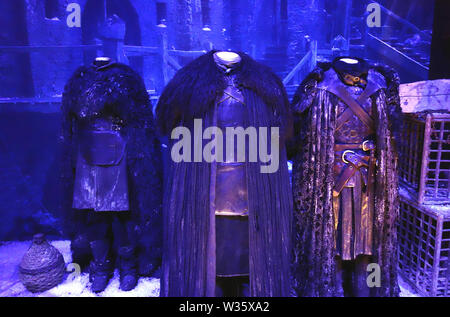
point(355, 164)
point(231, 190)
point(101, 182)
point(352, 131)
point(231, 202)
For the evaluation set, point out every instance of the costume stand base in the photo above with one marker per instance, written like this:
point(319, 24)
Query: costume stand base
point(232, 286)
point(352, 275)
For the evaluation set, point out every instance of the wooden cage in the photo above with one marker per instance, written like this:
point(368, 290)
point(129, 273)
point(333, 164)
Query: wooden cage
point(424, 246)
point(424, 157)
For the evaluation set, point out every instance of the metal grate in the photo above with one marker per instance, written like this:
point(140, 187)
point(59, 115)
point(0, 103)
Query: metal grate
point(424, 246)
point(424, 156)
point(410, 151)
point(438, 169)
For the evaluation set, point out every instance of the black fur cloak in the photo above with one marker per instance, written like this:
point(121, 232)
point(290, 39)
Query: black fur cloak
point(313, 182)
point(189, 264)
point(116, 90)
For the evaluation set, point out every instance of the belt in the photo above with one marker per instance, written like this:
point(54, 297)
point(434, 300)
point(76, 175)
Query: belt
point(365, 146)
point(354, 162)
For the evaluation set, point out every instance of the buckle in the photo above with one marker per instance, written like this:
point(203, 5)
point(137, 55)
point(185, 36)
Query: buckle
point(345, 153)
point(367, 145)
point(354, 80)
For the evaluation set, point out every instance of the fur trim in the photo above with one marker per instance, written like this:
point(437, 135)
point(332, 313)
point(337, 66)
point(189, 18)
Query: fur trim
point(188, 267)
point(194, 89)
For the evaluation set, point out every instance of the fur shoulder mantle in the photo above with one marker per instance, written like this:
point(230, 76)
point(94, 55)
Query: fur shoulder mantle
point(194, 89)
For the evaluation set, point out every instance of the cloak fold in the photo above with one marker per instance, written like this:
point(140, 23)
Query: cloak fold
point(189, 192)
point(314, 268)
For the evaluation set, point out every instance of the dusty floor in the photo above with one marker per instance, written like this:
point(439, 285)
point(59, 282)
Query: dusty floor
point(11, 254)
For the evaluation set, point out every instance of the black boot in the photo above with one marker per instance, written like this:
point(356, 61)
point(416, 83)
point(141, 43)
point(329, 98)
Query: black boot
point(226, 287)
point(360, 276)
point(128, 268)
point(149, 260)
point(81, 251)
point(244, 287)
point(101, 266)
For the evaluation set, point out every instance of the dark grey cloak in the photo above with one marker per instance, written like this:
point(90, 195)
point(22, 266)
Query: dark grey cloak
point(189, 264)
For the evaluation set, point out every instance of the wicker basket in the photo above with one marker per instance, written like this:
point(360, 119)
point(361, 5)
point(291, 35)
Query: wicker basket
point(42, 267)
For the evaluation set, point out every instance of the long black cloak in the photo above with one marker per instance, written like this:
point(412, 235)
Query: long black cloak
point(313, 182)
point(119, 91)
point(189, 221)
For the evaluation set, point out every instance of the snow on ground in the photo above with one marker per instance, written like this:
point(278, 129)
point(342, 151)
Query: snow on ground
point(405, 289)
point(11, 254)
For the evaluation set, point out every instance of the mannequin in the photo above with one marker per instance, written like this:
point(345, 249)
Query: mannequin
point(352, 265)
point(222, 239)
point(111, 173)
point(349, 105)
point(232, 267)
point(228, 57)
point(351, 71)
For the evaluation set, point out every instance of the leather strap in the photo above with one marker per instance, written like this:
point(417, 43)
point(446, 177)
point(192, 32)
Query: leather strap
point(366, 146)
point(347, 224)
point(358, 209)
point(355, 107)
point(333, 84)
point(355, 162)
point(346, 174)
point(343, 118)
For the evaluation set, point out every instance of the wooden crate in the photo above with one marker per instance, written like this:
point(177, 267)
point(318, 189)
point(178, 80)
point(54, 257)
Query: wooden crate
point(424, 246)
point(424, 157)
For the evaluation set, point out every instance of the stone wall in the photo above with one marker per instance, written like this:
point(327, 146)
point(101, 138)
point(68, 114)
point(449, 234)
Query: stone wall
point(52, 68)
point(28, 174)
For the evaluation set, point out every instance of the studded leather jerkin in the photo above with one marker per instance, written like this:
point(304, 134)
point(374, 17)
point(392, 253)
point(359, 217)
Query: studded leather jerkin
point(354, 167)
point(231, 200)
point(101, 182)
point(231, 191)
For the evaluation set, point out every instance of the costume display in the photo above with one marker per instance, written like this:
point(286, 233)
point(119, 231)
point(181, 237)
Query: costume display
point(111, 175)
point(345, 179)
point(227, 226)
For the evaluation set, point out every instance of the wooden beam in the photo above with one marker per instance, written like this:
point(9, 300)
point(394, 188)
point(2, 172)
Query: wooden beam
point(37, 48)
